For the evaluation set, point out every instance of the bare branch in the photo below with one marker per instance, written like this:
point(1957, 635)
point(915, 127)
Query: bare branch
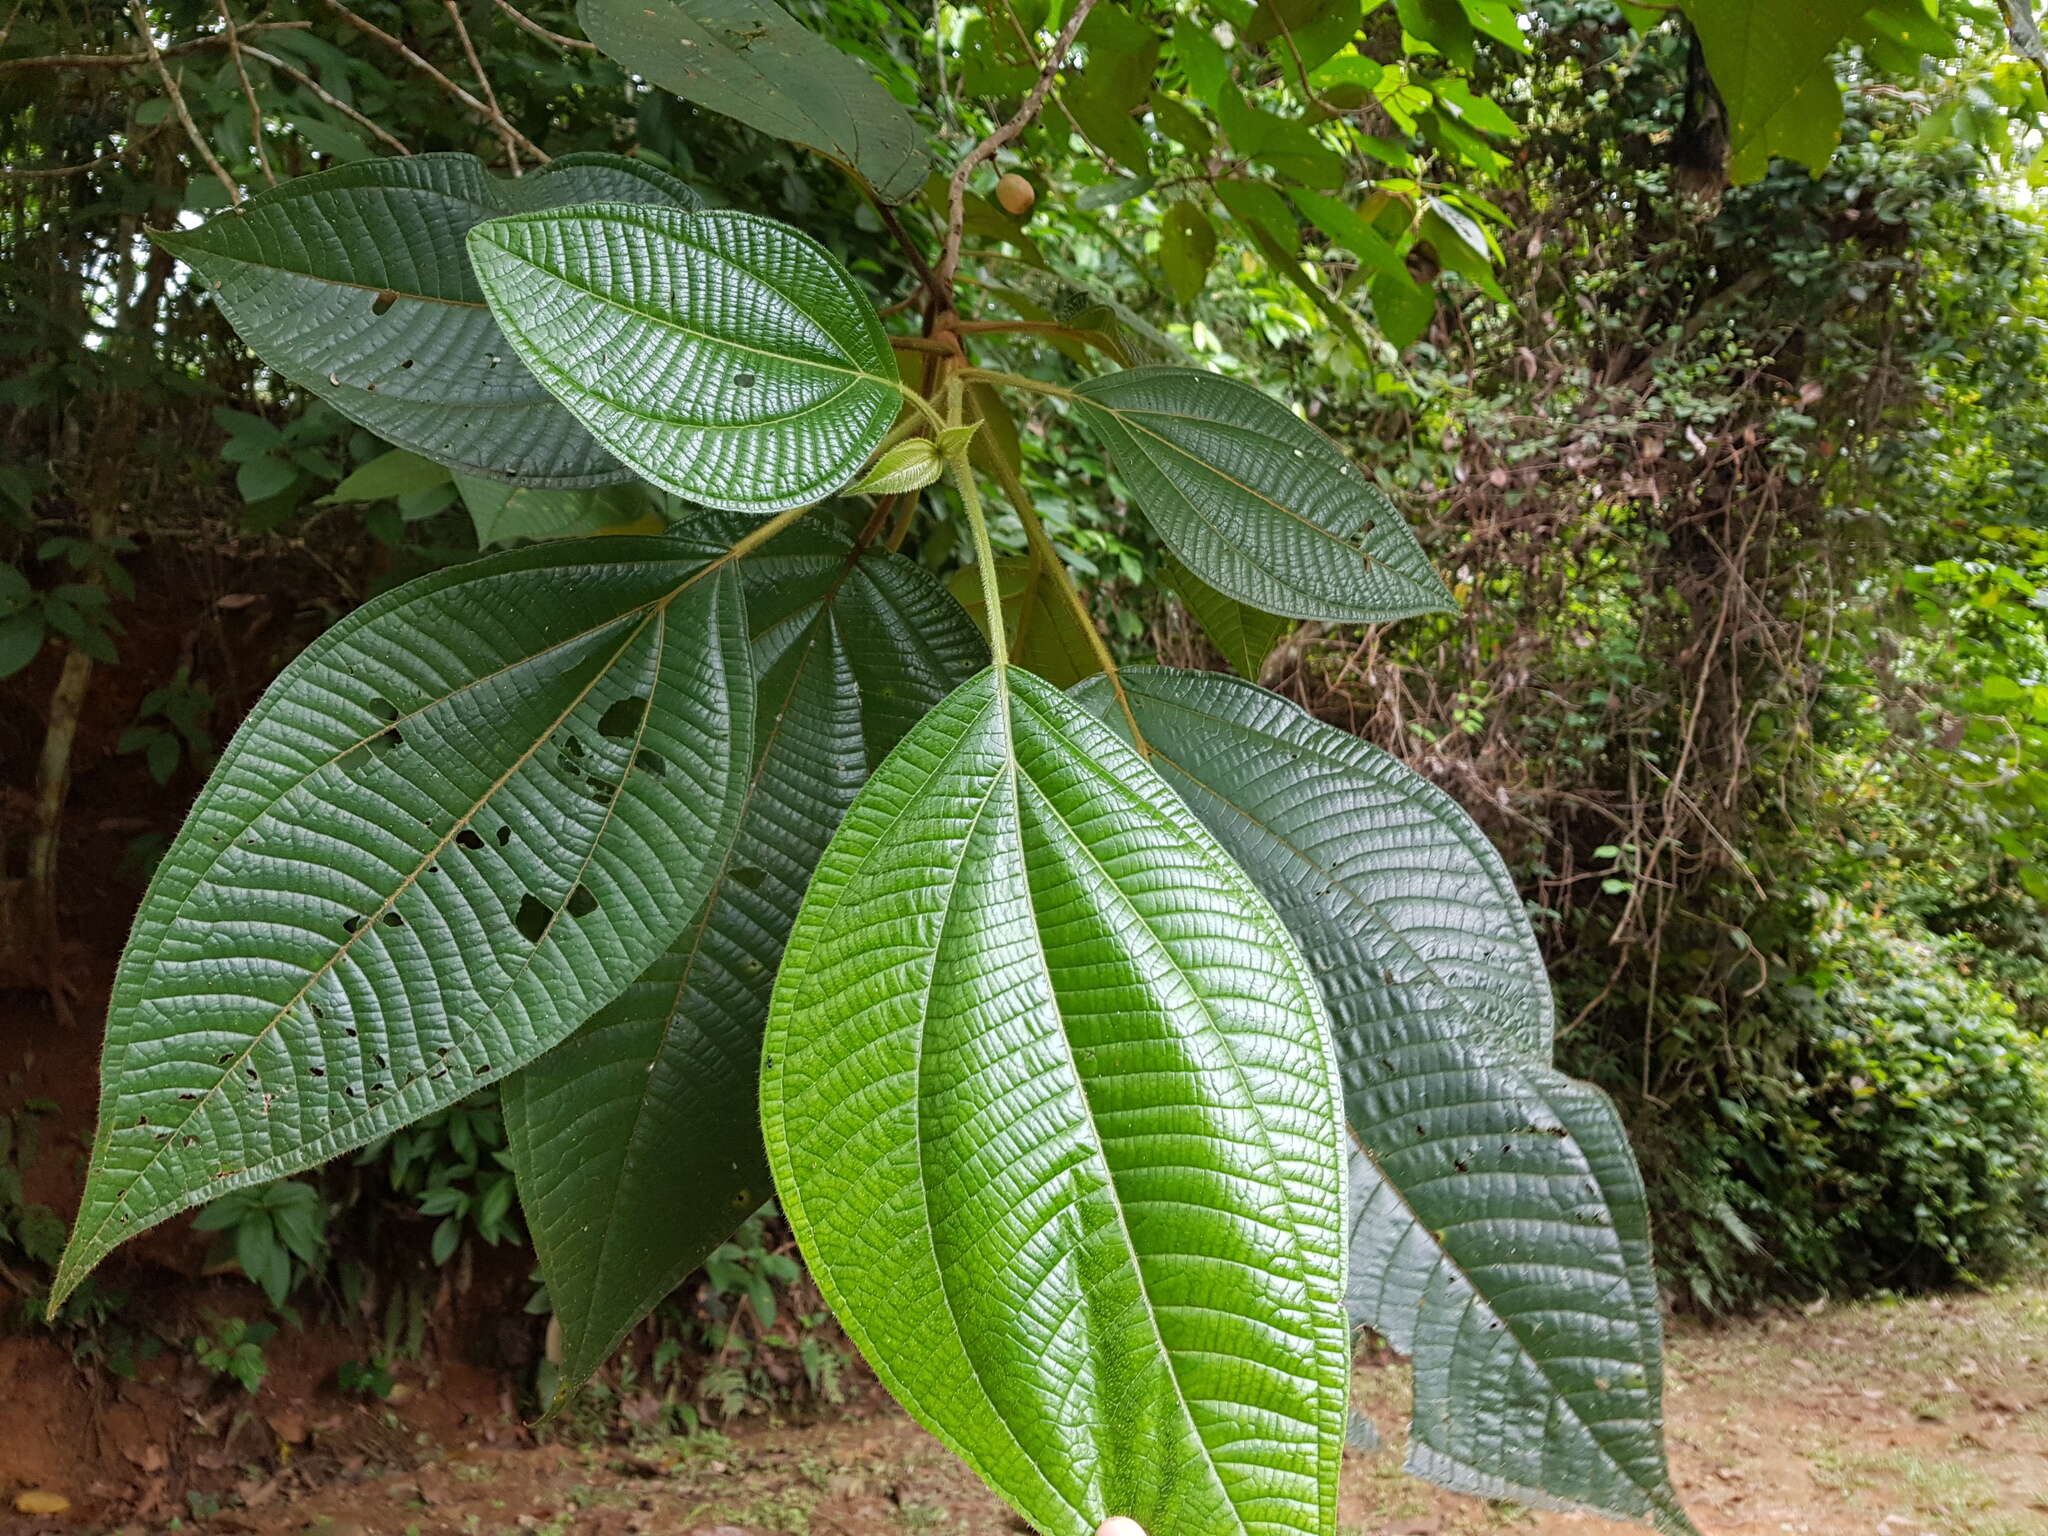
point(248, 91)
point(484, 81)
point(324, 94)
point(956, 196)
point(141, 20)
point(496, 120)
point(141, 56)
point(540, 31)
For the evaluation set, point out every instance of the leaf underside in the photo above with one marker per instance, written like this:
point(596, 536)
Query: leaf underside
point(747, 59)
point(1254, 501)
point(1499, 1226)
point(637, 1140)
point(469, 814)
point(1050, 1105)
point(354, 284)
point(723, 356)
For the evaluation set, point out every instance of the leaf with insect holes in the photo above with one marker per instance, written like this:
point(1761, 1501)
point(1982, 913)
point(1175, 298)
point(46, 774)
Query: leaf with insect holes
point(1500, 1234)
point(466, 816)
point(725, 357)
point(1253, 500)
point(354, 284)
point(1052, 1111)
point(747, 59)
point(637, 1140)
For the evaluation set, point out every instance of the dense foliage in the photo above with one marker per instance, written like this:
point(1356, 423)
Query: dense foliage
point(1708, 373)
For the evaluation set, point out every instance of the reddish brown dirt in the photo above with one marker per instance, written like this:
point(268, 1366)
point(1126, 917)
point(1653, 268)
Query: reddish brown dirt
point(1925, 1418)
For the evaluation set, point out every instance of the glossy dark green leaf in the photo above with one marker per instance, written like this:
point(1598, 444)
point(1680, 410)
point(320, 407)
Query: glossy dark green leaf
point(637, 1140)
point(354, 284)
point(465, 817)
point(1256, 502)
point(1050, 1107)
point(725, 357)
point(747, 59)
point(1244, 635)
point(1500, 1231)
point(1044, 632)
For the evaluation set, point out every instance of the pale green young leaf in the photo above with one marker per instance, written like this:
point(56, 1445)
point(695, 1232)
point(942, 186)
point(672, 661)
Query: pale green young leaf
point(1256, 502)
point(747, 59)
point(465, 817)
point(1500, 1232)
point(909, 466)
point(637, 1140)
point(354, 284)
point(1051, 1108)
point(725, 357)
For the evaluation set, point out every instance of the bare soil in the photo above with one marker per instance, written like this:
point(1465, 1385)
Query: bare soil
point(1919, 1418)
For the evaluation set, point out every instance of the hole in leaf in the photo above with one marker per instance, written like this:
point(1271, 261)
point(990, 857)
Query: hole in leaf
point(748, 876)
point(393, 920)
point(745, 380)
point(383, 302)
point(406, 364)
point(468, 838)
point(581, 903)
point(504, 834)
point(623, 718)
point(384, 710)
point(601, 791)
point(573, 747)
point(652, 761)
point(533, 918)
point(384, 741)
point(352, 922)
point(317, 1071)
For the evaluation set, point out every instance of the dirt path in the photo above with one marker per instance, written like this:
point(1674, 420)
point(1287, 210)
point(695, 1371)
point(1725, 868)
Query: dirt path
point(1928, 1418)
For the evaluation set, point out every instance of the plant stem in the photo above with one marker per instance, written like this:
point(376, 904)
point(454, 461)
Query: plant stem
point(1049, 557)
point(1016, 381)
point(984, 552)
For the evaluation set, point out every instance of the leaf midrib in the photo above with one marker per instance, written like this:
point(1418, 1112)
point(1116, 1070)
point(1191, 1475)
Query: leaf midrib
point(1295, 1222)
point(850, 369)
point(647, 612)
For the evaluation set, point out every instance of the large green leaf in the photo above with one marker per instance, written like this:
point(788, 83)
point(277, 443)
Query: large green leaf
point(1256, 502)
point(354, 284)
point(1051, 1110)
point(1045, 635)
point(747, 59)
point(466, 816)
point(1500, 1232)
point(724, 356)
point(637, 1140)
point(1770, 64)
